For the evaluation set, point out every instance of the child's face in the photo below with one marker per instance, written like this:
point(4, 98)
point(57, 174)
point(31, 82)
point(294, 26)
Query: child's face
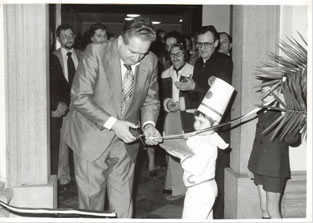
point(201, 122)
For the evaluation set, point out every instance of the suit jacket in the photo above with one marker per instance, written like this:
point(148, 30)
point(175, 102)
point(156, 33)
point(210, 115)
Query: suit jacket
point(59, 86)
point(96, 95)
point(58, 53)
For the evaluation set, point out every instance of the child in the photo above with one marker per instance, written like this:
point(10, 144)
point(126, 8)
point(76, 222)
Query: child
point(199, 169)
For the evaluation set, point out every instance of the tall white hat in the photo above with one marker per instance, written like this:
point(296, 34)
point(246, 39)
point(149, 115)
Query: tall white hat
point(216, 100)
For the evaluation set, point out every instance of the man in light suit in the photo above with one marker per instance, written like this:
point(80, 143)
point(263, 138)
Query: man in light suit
point(101, 133)
point(64, 62)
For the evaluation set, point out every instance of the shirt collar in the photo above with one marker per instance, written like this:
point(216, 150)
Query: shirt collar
point(204, 61)
point(65, 51)
point(133, 66)
point(181, 67)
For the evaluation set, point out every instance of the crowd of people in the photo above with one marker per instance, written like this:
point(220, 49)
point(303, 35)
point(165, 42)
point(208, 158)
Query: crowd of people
point(144, 81)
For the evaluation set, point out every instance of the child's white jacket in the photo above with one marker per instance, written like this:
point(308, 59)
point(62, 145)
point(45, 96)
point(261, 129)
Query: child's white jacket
point(201, 166)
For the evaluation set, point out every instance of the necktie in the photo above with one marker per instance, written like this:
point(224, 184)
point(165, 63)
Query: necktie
point(70, 68)
point(127, 87)
point(178, 69)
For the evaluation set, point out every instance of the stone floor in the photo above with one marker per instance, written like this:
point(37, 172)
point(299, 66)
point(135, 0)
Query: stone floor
point(150, 203)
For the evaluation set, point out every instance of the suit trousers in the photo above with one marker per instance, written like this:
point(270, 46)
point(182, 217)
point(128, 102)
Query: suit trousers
point(64, 175)
point(112, 171)
point(55, 124)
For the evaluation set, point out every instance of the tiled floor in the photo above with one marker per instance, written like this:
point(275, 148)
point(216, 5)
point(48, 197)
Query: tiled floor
point(150, 203)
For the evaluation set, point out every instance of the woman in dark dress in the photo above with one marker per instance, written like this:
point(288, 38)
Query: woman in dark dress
point(269, 163)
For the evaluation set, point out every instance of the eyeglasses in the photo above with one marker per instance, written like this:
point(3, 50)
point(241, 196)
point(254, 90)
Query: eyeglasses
point(179, 54)
point(101, 35)
point(205, 44)
point(72, 36)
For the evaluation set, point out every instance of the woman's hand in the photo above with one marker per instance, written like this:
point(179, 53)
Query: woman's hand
point(172, 106)
point(187, 85)
point(251, 175)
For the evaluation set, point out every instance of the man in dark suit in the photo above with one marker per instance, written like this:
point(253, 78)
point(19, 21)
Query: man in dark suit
point(59, 93)
point(212, 63)
point(106, 112)
point(63, 63)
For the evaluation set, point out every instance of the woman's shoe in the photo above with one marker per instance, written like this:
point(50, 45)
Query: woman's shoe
point(153, 173)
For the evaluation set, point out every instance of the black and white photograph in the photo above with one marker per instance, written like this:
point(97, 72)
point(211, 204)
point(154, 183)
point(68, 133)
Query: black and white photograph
point(161, 111)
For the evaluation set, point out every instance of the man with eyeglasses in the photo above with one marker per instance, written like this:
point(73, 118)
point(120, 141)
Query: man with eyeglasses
point(212, 63)
point(64, 63)
point(114, 95)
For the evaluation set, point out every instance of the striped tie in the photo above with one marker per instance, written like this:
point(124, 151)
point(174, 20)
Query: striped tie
point(127, 87)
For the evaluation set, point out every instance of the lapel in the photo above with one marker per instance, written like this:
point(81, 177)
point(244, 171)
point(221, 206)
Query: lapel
point(78, 54)
point(113, 71)
point(59, 55)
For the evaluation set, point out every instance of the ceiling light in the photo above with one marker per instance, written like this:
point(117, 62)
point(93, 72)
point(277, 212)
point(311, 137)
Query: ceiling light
point(155, 22)
point(133, 15)
point(181, 20)
point(129, 19)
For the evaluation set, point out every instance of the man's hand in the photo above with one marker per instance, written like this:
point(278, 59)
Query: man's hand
point(150, 132)
point(121, 129)
point(187, 85)
point(211, 80)
point(60, 111)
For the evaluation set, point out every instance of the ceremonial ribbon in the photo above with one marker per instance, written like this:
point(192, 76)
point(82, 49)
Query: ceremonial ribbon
point(61, 211)
point(187, 135)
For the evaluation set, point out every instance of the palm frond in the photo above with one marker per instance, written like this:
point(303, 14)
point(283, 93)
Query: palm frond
point(288, 73)
point(272, 126)
point(270, 83)
point(272, 108)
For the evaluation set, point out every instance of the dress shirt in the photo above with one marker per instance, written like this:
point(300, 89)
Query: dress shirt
point(111, 121)
point(65, 57)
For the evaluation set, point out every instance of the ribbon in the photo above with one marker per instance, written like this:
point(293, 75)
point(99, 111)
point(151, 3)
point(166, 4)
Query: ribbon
point(65, 212)
point(189, 134)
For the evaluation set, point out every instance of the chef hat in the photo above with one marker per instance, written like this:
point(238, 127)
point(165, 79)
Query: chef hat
point(216, 100)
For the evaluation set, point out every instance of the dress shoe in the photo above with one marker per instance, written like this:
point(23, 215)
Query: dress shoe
point(170, 197)
point(153, 173)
